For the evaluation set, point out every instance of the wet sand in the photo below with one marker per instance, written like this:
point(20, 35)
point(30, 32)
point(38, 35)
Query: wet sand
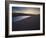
point(31, 23)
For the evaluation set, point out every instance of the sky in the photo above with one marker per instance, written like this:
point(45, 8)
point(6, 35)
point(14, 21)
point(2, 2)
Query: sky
point(26, 10)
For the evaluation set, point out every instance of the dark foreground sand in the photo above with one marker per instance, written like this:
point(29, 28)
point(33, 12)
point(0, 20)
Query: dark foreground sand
point(31, 23)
